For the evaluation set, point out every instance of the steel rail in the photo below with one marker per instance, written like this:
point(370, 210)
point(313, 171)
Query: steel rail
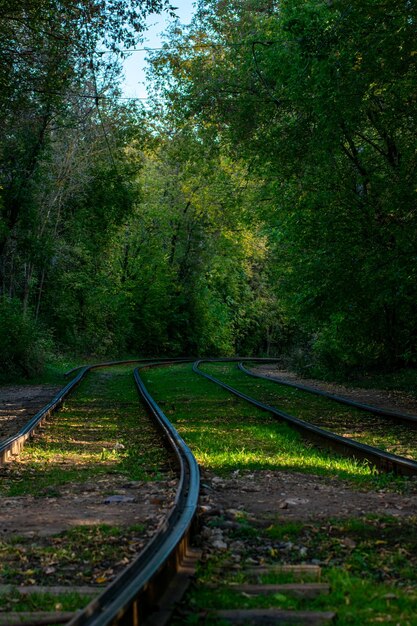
point(13, 444)
point(132, 362)
point(134, 594)
point(382, 460)
point(401, 417)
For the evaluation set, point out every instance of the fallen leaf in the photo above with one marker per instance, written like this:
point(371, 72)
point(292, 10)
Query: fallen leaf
point(101, 579)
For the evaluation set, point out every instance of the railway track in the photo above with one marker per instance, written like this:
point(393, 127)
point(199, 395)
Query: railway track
point(144, 592)
point(255, 492)
point(397, 416)
point(382, 459)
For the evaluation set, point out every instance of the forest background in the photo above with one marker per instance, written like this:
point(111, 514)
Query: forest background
point(264, 203)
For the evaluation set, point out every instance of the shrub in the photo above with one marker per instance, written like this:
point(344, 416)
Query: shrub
point(23, 344)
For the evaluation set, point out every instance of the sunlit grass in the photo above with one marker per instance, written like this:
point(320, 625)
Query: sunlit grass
point(356, 601)
point(369, 564)
point(365, 574)
point(102, 428)
point(226, 433)
point(326, 413)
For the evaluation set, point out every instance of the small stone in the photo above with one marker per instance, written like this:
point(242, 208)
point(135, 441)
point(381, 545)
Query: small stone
point(203, 509)
point(218, 544)
point(118, 498)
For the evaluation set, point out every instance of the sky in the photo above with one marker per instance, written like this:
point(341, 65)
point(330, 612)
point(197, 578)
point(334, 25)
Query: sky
point(134, 67)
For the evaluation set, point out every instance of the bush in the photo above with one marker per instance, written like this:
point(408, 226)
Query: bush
point(344, 348)
point(23, 344)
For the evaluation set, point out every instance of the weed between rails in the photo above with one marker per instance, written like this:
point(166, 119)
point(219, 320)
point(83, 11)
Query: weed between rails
point(17, 602)
point(79, 556)
point(102, 429)
point(369, 563)
point(226, 433)
point(364, 427)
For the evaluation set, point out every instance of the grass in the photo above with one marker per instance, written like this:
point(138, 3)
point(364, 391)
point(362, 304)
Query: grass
point(101, 429)
point(18, 602)
point(226, 433)
point(344, 420)
point(52, 374)
point(400, 380)
point(369, 563)
point(79, 556)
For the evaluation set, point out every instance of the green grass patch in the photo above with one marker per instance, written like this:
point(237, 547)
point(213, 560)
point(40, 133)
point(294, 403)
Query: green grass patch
point(102, 428)
point(79, 556)
point(17, 602)
point(381, 548)
point(400, 380)
point(226, 433)
point(363, 560)
point(362, 426)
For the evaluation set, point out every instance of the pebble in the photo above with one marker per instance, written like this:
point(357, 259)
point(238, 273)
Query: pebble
point(118, 498)
point(219, 544)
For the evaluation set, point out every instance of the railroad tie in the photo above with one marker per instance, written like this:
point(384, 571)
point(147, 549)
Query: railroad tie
point(301, 589)
point(269, 617)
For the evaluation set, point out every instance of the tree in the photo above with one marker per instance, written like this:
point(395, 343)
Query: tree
point(60, 62)
point(319, 98)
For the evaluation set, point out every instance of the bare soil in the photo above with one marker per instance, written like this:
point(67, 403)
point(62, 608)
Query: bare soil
point(19, 403)
point(108, 500)
point(274, 495)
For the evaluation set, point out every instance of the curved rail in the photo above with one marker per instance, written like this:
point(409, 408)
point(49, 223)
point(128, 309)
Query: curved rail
point(132, 362)
point(13, 444)
point(383, 460)
point(133, 595)
point(401, 417)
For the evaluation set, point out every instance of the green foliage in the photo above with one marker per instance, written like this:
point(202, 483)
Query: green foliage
point(266, 203)
point(319, 99)
point(23, 344)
